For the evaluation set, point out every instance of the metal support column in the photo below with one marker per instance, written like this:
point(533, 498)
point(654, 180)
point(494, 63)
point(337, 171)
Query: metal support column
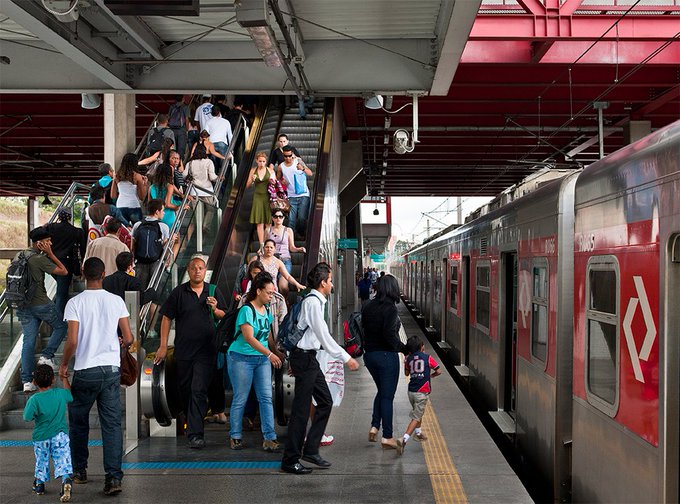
point(132, 407)
point(600, 106)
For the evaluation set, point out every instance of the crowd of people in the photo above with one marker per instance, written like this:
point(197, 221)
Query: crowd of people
point(130, 220)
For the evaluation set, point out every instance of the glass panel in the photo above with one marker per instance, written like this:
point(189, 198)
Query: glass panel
point(483, 276)
point(541, 282)
point(453, 288)
point(602, 375)
point(603, 291)
point(483, 308)
point(539, 331)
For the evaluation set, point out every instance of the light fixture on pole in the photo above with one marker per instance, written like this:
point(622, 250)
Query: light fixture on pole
point(90, 101)
point(376, 211)
point(373, 101)
point(403, 140)
point(46, 201)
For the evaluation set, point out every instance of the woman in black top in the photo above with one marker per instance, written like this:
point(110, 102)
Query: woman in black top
point(381, 324)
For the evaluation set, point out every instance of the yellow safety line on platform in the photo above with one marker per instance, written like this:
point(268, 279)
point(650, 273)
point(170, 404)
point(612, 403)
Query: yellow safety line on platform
point(446, 484)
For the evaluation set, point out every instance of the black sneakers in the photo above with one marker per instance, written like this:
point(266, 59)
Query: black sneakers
point(38, 488)
point(80, 477)
point(65, 495)
point(112, 487)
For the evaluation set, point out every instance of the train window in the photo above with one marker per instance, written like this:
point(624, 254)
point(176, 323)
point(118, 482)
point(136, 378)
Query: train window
point(602, 321)
point(483, 296)
point(453, 287)
point(539, 310)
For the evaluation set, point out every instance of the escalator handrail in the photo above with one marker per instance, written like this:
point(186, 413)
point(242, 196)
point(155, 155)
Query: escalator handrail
point(142, 142)
point(315, 219)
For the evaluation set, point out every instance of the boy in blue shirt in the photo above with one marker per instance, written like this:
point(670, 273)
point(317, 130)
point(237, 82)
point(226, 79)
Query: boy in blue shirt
point(420, 367)
point(48, 408)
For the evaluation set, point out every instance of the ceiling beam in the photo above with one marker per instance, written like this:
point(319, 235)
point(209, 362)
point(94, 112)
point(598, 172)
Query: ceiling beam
point(453, 27)
point(138, 31)
point(79, 49)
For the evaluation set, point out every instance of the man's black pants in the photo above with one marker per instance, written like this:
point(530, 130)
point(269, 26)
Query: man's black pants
point(194, 380)
point(309, 382)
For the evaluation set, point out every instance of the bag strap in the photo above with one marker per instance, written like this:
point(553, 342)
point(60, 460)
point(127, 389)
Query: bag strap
point(211, 293)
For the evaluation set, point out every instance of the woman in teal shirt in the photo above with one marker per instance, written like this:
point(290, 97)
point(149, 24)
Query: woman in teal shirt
point(250, 361)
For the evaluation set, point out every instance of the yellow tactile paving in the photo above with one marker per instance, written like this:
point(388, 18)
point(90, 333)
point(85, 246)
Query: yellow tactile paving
point(446, 484)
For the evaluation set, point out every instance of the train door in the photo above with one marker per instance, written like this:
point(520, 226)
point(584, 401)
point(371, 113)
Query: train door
point(508, 332)
point(422, 282)
point(672, 372)
point(432, 298)
point(465, 312)
point(443, 304)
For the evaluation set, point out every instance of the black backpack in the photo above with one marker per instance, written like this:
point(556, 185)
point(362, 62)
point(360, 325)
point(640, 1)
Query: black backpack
point(155, 143)
point(148, 242)
point(175, 116)
point(20, 287)
point(225, 332)
point(354, 335)
point(289, 332)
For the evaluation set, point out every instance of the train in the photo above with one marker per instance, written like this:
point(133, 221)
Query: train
point(561, 312)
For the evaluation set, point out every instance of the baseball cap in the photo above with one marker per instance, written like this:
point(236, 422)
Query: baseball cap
point(207, 96)
point(39, 233)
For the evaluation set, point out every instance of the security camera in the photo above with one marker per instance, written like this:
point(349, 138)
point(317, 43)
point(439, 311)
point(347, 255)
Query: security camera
point(402, 142)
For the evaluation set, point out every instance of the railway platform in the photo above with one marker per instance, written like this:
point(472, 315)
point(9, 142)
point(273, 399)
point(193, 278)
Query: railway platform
point(458, 463)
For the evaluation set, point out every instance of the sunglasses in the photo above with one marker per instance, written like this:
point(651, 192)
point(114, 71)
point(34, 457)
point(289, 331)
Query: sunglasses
point(278, 216)
point(287, 156)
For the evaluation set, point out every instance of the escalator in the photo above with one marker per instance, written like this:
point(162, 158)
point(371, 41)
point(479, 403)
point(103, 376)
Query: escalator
point(234, 240)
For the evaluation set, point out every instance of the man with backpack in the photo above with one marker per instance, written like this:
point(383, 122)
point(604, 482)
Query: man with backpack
point(178, 120)
point(157, 135)
point(149, 237)
point(99, 209)
point(308, 318)
point(364, 286)
point(26, 292)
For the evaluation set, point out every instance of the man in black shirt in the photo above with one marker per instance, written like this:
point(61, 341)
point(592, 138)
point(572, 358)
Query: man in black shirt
point(68, 244)
point(276, 156)
point(122, 281)
point(195, 312)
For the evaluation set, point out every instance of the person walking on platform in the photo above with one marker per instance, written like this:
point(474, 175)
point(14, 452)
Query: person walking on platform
point(194, 311)
point(260, 212)
point(420, 367)
point(50, 438)
point(380, 321)
point(309, 379)
point(364, 287)
point(40, 307)
point(94, 317)
point(250, 360)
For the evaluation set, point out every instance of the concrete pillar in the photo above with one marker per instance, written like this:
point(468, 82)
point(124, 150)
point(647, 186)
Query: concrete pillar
point(119, 127)
point(635, 130)
point(32, 215)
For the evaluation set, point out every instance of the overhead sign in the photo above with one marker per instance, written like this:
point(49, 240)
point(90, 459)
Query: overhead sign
point(348, 243)
point(378, 257)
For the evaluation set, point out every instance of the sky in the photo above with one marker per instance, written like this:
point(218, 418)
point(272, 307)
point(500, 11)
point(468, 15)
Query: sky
point(409, 221)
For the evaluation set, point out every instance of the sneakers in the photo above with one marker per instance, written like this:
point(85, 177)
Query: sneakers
point(327, 440)
point(112, 487)
point(29, 387)
point(38, 488)
point(65, 495)
point(401, 444)
point(197, 443)
point(420, 437)
point(269, 445)
point(236, 444)
point(80, 477)
point(46, 360)
point(388, 444)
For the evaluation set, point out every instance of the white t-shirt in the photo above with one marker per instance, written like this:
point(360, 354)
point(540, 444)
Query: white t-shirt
point(165, 230)
point(97, 313)
point(295, 179)
point(203, 115)
point(219, 129)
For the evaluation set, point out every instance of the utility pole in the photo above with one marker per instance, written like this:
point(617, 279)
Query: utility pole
point(428, 228)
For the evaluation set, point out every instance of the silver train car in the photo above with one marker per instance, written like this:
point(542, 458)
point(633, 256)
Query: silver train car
point(562, 310)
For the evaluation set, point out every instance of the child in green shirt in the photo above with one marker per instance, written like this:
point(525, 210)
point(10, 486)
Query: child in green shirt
point(50, 438)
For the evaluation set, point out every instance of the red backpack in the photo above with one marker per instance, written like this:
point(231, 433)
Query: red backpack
point(354, 335)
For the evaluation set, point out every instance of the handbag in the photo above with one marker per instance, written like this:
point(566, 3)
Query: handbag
point(279, 204)
point(128, 368)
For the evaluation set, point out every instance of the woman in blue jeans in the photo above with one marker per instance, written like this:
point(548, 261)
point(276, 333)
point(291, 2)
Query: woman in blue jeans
point(380, 321)
point(250, 361)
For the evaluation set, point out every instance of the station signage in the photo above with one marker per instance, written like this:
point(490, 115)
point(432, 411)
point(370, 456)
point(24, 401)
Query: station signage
point(348, 243)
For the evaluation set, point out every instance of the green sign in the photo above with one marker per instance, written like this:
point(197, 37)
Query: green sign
point(378, 258)
point(348, 243)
